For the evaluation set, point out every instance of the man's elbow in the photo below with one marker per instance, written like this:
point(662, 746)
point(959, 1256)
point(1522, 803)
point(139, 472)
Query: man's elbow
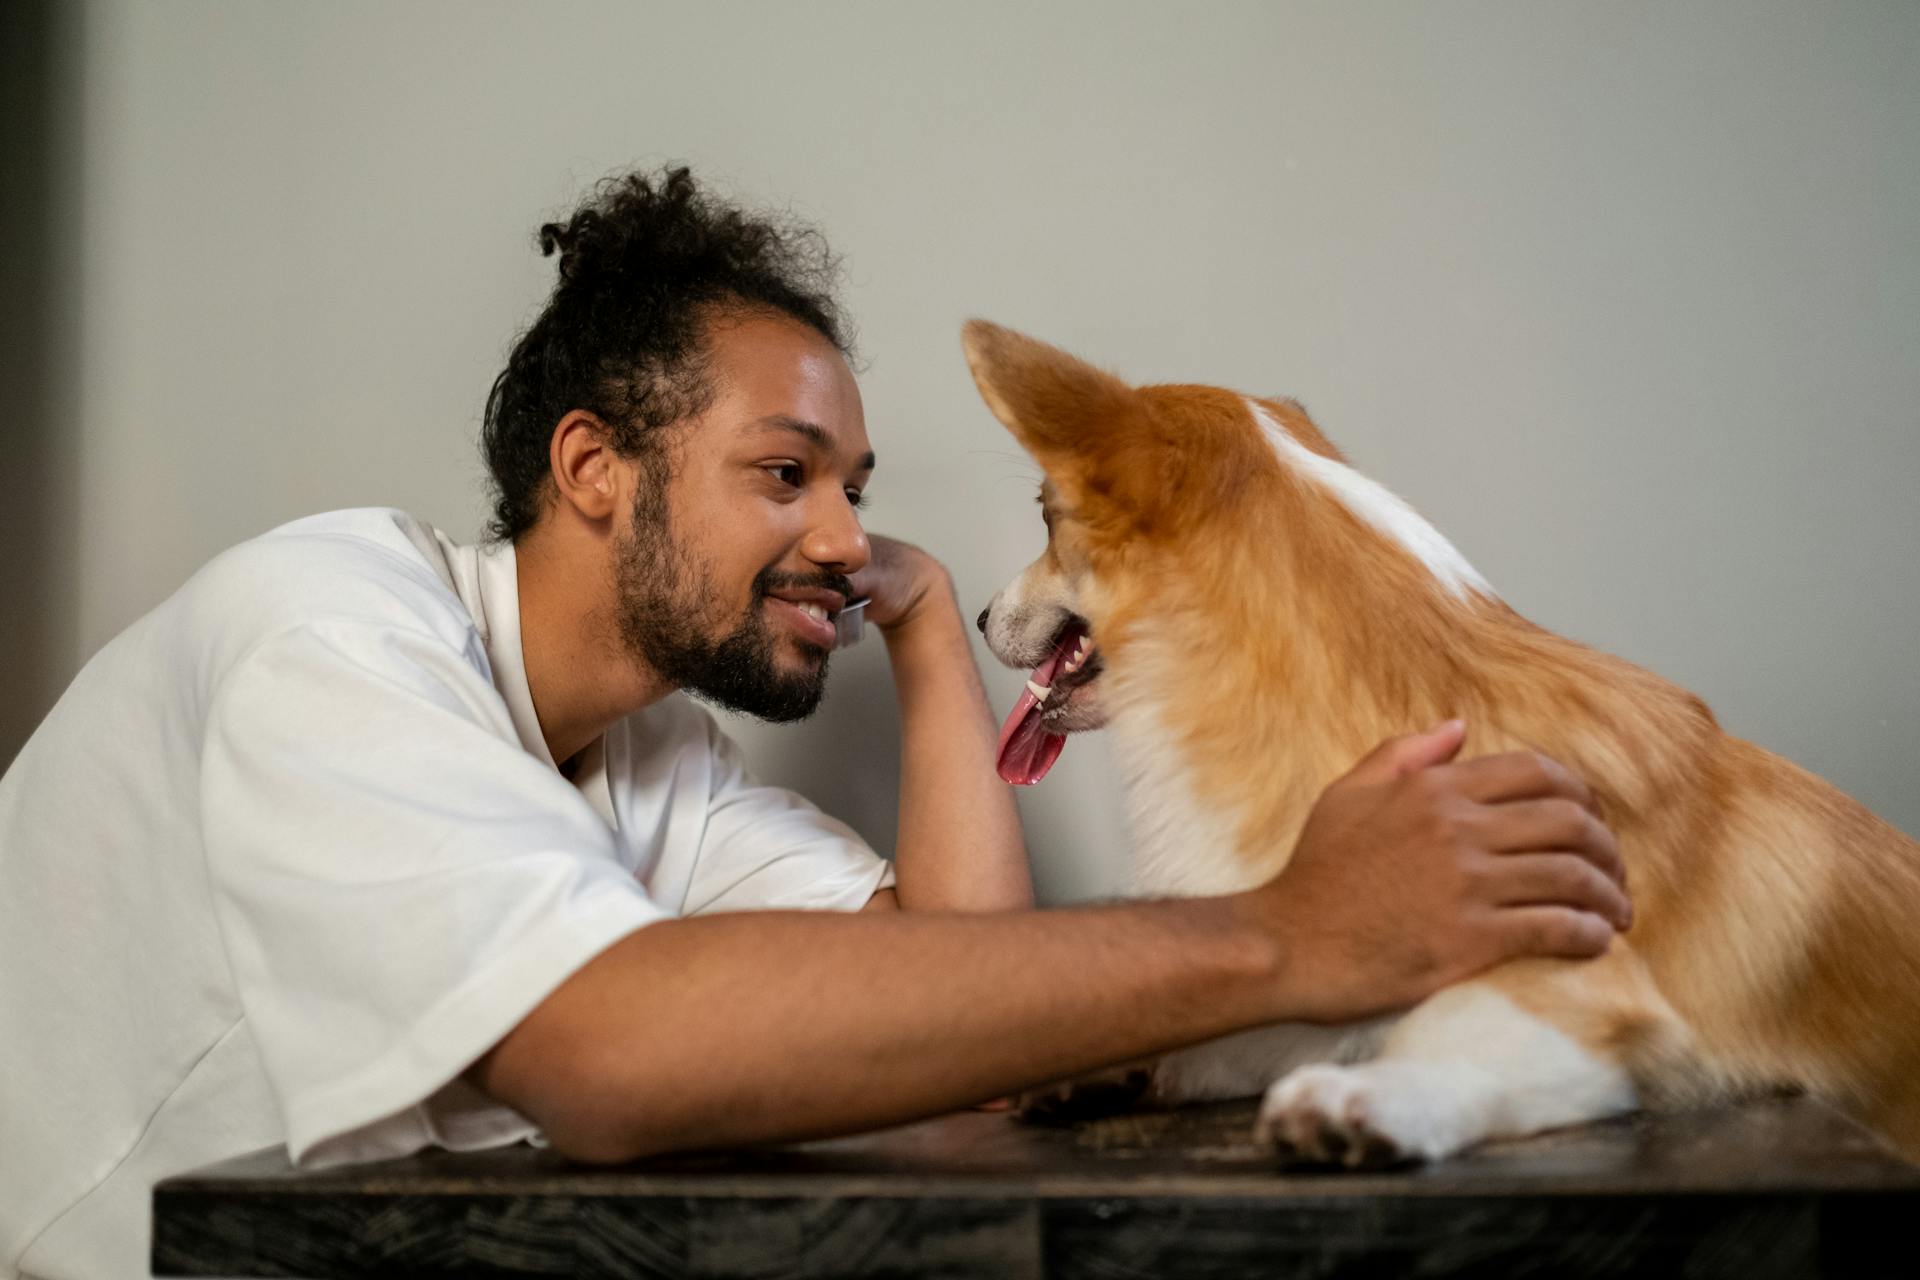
point(609, 1117)
point(597, 1067)
point(592, 1102)
point(590, 1141)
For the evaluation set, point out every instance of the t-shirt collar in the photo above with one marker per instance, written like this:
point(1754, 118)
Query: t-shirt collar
point(499, 590)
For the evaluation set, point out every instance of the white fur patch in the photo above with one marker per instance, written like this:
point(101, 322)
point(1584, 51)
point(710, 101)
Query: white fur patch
point(1023, 616)
point(1180, 847)
point(1379, 506)
point(1242, 1065)
point(1465, 1066)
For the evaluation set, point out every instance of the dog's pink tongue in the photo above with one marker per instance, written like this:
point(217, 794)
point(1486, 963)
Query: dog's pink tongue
point(1027, 750)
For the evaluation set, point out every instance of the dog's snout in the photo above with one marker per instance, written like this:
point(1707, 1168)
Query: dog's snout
point(981, 621)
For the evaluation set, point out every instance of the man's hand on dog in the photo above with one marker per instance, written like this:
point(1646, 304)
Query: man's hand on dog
point(1414, 872)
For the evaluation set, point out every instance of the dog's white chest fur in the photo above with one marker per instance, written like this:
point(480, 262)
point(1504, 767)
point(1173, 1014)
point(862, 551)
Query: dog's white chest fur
point(1184, 848)
point(1181, 848)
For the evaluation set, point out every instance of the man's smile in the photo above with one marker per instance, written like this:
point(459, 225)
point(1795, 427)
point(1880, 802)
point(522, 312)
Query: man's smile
point(806, 604)
point(809, 613)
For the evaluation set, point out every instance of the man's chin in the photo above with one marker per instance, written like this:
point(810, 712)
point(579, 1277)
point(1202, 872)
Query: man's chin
point(805, 657)
point(773, 705)
point(788, 686)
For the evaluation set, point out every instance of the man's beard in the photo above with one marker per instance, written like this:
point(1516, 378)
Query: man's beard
point(669, 609)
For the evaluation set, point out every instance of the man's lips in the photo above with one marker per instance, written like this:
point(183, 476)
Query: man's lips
point(809, 612)
point(826, 597)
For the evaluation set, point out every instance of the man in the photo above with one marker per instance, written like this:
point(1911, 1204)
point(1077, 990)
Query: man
point(366, 840)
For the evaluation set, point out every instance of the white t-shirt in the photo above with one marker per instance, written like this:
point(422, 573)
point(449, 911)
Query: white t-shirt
point(291, 853)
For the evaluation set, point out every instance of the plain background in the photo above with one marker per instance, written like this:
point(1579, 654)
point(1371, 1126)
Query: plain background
point(1624, 296)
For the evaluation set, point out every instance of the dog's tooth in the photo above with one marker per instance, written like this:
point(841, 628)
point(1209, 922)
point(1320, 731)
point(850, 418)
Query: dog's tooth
point(1038, 690)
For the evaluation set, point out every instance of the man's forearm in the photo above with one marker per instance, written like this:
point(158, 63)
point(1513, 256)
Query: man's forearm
point(797, 1024)
point(959, 846)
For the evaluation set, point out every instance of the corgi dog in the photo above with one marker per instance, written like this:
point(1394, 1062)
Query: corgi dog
point(1247, 615)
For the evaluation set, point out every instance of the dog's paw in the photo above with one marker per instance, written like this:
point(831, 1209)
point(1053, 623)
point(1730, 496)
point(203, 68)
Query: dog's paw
point(1088, 1098)
point(1337, 1115)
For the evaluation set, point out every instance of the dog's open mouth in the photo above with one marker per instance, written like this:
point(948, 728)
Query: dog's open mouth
point(1028, 745)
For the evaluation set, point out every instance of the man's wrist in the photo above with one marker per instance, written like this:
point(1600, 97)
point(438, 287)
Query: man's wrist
point(1262, 943)
point(935, 608)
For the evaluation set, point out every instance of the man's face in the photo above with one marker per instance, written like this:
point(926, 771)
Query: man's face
point(723, 572)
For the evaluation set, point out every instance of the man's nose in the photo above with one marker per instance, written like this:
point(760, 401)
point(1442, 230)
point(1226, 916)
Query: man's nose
point(837, 541)
point(981, 621)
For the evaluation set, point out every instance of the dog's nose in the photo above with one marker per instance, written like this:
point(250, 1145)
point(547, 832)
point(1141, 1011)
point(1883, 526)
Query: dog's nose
point(981, 621)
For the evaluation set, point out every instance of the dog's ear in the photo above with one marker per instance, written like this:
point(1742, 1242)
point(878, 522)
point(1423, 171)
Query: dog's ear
point(1125, 469)
point(1053, 403)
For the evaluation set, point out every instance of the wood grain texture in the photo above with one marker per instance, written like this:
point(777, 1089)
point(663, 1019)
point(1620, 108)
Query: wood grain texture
point(1778, 1188)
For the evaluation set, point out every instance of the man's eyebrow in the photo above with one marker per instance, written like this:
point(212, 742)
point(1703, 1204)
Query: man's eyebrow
point(816, 435)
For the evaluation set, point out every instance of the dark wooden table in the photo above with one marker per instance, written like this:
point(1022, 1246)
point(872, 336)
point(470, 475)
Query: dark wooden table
point(1778, 1188)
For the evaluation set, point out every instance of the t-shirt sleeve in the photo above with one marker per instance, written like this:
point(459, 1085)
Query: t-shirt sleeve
point(766, 848)
point(397, 881)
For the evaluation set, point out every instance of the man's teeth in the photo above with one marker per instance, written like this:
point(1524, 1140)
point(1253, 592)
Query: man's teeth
point(812, 610)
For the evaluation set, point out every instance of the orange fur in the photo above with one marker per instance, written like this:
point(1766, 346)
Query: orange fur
point(1775, 941)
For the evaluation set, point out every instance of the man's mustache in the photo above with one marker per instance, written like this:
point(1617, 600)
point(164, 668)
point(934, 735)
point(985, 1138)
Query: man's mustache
point(771, 580)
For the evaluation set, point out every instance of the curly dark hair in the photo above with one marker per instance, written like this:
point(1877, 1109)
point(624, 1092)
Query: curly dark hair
point(645, 263)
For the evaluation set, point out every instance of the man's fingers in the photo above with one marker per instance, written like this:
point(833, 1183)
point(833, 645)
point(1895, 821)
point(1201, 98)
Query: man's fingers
point(1533, 826)
point(1559, 879)
point(1557, 932)
point(1410, 753)
point(1519, 775)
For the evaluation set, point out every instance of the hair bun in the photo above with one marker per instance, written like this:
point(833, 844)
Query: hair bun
point(565, 239)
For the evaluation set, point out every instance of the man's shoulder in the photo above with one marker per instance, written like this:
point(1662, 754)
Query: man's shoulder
point(370, 565)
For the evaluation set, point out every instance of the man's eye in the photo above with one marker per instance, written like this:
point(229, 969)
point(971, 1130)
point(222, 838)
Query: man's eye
point(787, 473)
point(856, 499)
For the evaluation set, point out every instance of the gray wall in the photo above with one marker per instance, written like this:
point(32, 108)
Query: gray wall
point(1625, 296)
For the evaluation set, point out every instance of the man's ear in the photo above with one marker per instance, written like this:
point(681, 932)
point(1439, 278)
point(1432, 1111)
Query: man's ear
point(1053, 403)
point(583, 464)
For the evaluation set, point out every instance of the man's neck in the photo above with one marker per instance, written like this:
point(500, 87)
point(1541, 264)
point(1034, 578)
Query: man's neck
point(580, 674)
